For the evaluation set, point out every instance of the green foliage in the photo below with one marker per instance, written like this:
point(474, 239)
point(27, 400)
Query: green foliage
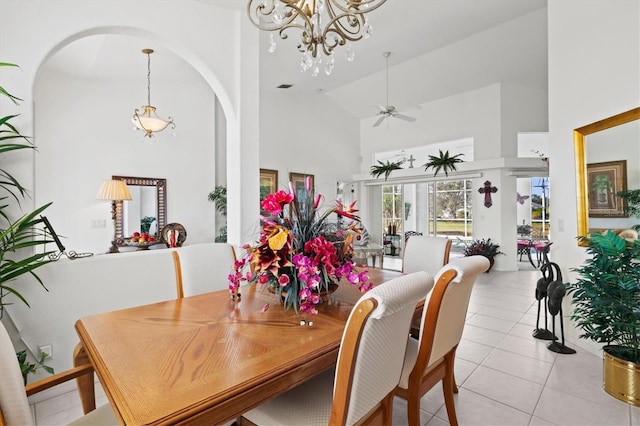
point(145, 223)
point(632, 205)
point(19, 239)
point(222, 237)
point(385, 169)
point(442, 162)
point(219, 197)
point(26, 367)
point(602, 183)
point(606, 296)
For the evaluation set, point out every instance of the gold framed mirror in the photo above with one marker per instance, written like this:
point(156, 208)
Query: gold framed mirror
point(148, 208)
point(614, 145)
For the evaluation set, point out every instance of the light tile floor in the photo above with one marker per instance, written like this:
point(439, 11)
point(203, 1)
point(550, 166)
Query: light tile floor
point(505, 376)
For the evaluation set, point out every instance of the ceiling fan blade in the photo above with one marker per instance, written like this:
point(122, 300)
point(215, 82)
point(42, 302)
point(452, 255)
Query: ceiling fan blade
point(383, 108)
point(380, 120)
point(405, 117)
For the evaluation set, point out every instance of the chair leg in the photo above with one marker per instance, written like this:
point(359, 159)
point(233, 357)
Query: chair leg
point(413, 408)
point(387, 409)
point(449, 388)
point(85, 383)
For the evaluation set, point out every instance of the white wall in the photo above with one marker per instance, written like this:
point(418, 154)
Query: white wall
point(98, 141)
point(220, 46)
point(594, 73)
point(492, 117)
point(308, 134)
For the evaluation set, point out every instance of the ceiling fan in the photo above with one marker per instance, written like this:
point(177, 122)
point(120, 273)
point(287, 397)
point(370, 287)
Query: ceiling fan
point(390, 111)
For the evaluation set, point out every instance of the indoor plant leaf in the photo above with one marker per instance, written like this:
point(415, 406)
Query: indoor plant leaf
point(442, 162)
point(385, 168)
point(607, 293)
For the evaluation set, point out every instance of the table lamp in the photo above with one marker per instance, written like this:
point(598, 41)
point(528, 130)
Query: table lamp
point(114, 190)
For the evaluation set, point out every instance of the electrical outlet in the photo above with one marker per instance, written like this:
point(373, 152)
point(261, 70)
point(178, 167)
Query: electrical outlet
point(98, 223)
point(47, 349)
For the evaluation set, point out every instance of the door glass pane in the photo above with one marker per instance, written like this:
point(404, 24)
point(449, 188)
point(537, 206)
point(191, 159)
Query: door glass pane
point(540, 222)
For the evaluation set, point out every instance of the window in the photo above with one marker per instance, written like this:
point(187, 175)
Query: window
point(540, 222)
point(452, 215)
point(433, 208)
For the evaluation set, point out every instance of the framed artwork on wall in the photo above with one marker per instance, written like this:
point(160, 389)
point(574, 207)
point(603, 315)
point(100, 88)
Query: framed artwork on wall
point(299, 181)
point(604, 181)
point(268, 182)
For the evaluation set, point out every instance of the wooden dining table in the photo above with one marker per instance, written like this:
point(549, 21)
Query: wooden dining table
point(207, 359)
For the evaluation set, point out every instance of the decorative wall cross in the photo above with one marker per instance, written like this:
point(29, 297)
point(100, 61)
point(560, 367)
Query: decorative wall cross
point(487, 190)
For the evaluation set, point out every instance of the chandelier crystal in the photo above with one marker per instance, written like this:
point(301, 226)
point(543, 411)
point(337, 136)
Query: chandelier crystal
point(148, 120)
point(323, 25)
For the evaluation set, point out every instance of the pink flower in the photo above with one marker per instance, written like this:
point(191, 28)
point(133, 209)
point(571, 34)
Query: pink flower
point(283, 280)
point(271, 206)
point(304, 294)
point(274, 203)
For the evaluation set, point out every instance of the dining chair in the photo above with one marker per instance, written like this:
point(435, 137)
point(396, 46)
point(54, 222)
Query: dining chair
point(424, 253)
point(14, 406)
point(202, 268)
point(368, 368)
point(411, 234)
point(430, 358)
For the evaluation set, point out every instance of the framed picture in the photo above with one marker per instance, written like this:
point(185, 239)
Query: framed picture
point(604, 181)
point(268, 182)
point(299, 181)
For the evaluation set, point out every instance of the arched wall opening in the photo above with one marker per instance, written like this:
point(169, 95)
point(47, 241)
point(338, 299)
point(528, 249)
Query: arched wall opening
point(96, 139)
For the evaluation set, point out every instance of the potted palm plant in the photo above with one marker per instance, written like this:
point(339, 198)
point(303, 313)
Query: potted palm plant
point(606, 299)
point(385, 169)
point(444, 161)
point(19, 239)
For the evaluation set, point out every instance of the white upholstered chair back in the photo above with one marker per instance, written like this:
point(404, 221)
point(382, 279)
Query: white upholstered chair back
point(447, 317)
point(380, 351)
point(203, 267)
point(14, 407)
point(425, 253)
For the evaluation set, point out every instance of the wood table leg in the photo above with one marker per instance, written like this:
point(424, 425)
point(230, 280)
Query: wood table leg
point(86, 386)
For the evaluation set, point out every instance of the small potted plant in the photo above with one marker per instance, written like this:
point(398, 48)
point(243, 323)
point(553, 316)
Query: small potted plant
point(444, 161)
point(484, 248)
point(606, 298)
point(385, 169)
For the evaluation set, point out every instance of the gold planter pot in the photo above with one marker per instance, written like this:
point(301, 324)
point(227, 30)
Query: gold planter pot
point(621, 379)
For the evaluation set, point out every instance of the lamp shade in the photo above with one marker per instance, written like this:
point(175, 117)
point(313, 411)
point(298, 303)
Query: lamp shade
point(114, 190)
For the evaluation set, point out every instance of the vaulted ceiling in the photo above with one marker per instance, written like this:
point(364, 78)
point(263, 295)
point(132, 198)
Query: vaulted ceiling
point(438, 48)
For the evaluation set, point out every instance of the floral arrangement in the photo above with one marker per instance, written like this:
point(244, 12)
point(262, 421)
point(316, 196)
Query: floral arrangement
point(484, 248)
point(300, 253)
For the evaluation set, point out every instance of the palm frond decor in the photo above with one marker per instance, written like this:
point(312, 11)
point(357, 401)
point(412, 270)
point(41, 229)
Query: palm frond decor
point(385, 168)
point(443, 162)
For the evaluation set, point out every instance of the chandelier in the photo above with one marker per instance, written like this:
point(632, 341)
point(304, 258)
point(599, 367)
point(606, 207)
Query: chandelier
point(323, 25)
point(147, 120)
